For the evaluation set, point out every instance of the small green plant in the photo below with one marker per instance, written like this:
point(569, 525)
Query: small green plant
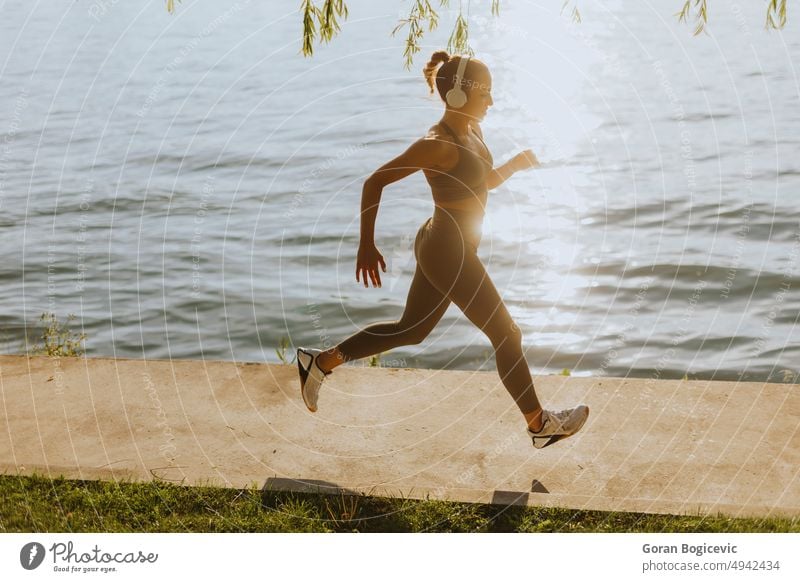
point(57, 339)
point(281, 350)
point(375, 361)
point(343, 510)
point(565, 372)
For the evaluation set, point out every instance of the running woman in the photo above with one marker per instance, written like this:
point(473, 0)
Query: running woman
point(459, 169)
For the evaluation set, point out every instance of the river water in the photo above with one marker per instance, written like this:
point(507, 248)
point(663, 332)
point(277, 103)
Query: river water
point(188, 185)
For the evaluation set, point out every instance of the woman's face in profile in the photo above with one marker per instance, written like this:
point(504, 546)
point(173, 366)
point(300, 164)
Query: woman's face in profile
point(479, 95)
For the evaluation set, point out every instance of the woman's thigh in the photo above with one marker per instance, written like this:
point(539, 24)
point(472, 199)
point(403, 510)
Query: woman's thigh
point(425, 306)
point(459, 274)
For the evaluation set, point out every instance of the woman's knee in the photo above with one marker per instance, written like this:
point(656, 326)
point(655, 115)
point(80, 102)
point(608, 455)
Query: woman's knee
point(417, 334)
point(404, 333)
point(505, 333)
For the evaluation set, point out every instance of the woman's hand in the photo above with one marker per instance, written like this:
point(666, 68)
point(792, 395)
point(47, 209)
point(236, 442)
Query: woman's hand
point(524, 160)
point(369, 257)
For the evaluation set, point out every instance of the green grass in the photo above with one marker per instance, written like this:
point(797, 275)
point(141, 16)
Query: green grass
point(40, 504)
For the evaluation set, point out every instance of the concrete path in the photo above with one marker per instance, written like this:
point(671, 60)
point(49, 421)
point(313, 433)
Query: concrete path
point(658, 446)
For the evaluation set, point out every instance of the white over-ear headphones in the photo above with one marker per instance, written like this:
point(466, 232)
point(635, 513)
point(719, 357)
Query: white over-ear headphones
point(456, 97)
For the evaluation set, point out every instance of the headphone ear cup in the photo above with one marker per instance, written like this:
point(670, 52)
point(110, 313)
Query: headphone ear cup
point(456, 98)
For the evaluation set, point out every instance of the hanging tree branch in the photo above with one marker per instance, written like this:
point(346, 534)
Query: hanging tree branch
point(323, 20)
point(420, 12)
point(774, 8)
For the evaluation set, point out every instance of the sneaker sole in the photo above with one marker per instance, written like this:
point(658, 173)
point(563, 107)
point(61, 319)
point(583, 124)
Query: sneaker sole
point(549, 440)
point(303, 377)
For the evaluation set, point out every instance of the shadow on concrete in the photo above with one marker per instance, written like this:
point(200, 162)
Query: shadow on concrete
point(509, 498)
point(500, 497)
point(538, 487)
point(305, 486)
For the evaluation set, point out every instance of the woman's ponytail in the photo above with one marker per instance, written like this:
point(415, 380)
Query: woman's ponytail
point(430, 69)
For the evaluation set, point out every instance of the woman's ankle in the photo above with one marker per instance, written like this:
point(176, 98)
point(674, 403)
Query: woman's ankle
point(328, 360)
point(534, 420)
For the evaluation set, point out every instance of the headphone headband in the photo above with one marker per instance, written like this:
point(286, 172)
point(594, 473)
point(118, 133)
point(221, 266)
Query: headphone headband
point(462, 68)
point(456, 97)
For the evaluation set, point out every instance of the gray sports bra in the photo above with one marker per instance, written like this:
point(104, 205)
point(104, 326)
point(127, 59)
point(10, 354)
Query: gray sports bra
point(467, 178)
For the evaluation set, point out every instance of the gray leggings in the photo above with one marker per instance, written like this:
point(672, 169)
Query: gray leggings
point(449, 270)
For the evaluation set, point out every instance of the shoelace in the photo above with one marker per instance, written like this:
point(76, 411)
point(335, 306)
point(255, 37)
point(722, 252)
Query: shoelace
point(557, 418)
point(561, 417)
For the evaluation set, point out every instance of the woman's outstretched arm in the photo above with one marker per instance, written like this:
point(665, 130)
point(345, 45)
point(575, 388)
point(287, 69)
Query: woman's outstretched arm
point(522, 161)
point(426, 152)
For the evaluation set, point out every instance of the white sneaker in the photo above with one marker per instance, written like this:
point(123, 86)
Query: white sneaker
point(311, 376)
point(559, 425)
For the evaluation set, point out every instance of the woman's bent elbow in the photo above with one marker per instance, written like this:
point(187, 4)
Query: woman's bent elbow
point(373, 189)
point(373, 183)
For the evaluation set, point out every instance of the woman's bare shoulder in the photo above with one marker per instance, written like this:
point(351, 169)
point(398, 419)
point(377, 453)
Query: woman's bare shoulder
point(439, 148)
point(439, 134)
